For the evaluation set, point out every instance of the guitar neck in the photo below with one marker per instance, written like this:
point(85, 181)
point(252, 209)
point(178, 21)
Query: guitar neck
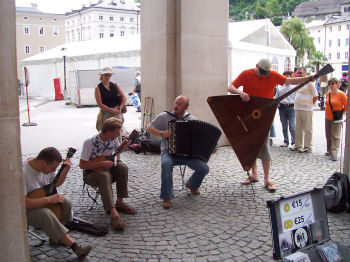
point(279, 99)
point(58, 174)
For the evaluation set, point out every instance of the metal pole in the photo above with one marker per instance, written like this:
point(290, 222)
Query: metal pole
point(26, 77)
point(347, 131)
point(64, 73)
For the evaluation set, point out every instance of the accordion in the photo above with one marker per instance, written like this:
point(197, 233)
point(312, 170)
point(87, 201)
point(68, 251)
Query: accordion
point(193, 138)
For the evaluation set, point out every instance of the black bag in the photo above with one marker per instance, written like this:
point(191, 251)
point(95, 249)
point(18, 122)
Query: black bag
point(150, 145)
point(337, 114)
point(86, 227)
point(336, 193)
point(344, 85)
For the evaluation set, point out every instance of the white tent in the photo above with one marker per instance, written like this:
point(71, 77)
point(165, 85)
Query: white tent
point(79, 56)
point(249, 41)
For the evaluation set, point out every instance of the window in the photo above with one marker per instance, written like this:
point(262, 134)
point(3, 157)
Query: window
point(41, 30)
point(131, 19)
point(100, 17)
point(40, 18)
point(345, 9)
point(27, 49)
point(347, 26)
point(25, 18)
point(287, 64)
point(339, 27)
point(67, 23)
point(346, 55)
point(111, 35)
point(319, 40)
point(346, 41)
point(26, 30)
point(111, 18)
point(329, 56)
point(41, 49)
point(55, 30)
point(121, 33)
point(101, 35)
point(55, 19)
point(274, 64)
point(330, 29)
point(338, 55)
point(68, 38)
point(121, 19)
point(330, 43)
point(338, 42)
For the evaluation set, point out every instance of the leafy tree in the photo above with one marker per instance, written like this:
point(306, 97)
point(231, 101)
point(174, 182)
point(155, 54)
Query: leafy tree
point(277, 20)
point(274, 7)
point(317, 59)
point(297, 35)
point(260, 12)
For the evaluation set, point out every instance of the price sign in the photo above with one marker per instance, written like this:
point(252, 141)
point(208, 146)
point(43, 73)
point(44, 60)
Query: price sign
point(296, 212)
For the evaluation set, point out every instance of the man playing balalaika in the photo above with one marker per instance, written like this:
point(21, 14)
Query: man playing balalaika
point(39, 172)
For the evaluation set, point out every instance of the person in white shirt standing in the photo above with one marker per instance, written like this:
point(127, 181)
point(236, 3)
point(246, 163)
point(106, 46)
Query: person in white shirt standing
point(286, 111)
point(305, 99)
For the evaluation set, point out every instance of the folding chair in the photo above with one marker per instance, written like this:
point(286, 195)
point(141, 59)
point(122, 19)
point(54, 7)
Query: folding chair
point(147, 112)
point(92, 195)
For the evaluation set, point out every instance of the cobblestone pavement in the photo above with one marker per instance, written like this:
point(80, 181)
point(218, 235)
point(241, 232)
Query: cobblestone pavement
point(225, 223)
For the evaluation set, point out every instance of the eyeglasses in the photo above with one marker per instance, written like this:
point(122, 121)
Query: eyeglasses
point(108, 74)
point(333, 83)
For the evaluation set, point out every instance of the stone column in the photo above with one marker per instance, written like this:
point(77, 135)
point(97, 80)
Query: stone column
point(184, 46)
point(13, 237)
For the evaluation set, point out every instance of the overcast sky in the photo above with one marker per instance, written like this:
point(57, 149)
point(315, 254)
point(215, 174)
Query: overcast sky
point(56, 6)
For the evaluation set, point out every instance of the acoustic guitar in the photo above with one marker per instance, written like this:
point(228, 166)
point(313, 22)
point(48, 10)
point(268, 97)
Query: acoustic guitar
point(247, 124)
point(134, 134)
point(50, 189)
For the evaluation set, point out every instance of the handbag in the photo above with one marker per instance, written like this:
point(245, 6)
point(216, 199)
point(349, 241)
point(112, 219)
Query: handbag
point(337, 114)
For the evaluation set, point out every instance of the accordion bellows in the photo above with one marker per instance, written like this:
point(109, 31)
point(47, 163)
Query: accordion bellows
point(193, 138)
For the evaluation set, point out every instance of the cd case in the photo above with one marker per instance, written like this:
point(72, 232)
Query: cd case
point(300, 231)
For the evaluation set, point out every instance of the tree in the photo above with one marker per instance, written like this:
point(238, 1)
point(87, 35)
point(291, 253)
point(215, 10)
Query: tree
point(260, 12)
point(274, 7)
point(317, 59)
point(297, 35)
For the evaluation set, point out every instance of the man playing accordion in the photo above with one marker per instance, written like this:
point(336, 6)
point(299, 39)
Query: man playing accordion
point(159, 127)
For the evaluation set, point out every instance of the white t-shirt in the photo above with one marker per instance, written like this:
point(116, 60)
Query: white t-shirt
point(304, 98)
point(34, 179)
point(95, 147)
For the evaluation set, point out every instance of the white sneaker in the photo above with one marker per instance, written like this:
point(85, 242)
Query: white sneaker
point(284, 144)
point(295, 148)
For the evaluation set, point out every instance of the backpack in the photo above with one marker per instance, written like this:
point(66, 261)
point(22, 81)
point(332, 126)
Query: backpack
point(336, 193)
point(344, 85)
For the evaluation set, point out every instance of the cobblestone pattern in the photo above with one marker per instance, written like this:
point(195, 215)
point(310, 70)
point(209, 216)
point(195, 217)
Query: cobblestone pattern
point(225, 223)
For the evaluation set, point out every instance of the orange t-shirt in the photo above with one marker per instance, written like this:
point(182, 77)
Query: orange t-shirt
point(339, 102)
point(255, 85)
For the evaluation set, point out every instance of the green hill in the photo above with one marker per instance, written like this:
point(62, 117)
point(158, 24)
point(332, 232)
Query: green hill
point(257, 9)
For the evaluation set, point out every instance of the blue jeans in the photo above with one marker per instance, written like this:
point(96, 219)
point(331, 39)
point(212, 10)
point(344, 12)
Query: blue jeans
point(287, 117)
point(200, 168)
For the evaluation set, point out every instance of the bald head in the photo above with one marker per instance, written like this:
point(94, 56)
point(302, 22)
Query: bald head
point(181, 105)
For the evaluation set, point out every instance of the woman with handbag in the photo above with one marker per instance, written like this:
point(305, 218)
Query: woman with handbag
point(336, 103)
point(109, 98)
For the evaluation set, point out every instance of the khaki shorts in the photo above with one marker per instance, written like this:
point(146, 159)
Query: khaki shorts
point(264, 153)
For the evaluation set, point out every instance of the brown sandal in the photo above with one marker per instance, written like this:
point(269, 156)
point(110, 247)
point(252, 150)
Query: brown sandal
point(249, 180)
point(270, 186)
point(125, 208)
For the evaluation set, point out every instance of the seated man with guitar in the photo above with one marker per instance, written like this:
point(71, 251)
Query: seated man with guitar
point(97, 161)
point(159, 127)
point(46, 209)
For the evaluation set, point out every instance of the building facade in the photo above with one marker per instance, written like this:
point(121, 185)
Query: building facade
point(331, 37)
point(36, 32)
point(112, 18)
